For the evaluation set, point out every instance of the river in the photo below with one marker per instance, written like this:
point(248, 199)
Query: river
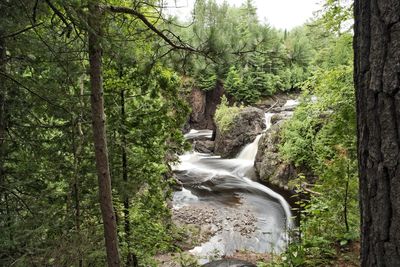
point(247, 215)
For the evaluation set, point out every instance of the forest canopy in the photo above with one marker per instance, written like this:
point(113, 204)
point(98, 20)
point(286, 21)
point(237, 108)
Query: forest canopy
point(147, 65)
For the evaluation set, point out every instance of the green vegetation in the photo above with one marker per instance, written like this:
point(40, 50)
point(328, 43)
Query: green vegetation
point(225, 115)
point(49, 205)
point(321, 138)
point(50, 212)
point(251, 59)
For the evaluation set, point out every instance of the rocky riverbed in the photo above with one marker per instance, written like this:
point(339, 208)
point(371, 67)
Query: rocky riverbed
point(211, 222)
point(203, 222)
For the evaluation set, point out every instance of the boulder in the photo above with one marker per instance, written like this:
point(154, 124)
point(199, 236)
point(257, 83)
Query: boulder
point(276, 118)
point(176, 184)
point(205, 146)
point(249, 123)
point(269, 166)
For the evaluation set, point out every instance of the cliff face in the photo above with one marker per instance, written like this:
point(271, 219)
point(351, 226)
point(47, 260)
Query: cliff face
point(197, 100)
point(204, 104)
point(269, 166)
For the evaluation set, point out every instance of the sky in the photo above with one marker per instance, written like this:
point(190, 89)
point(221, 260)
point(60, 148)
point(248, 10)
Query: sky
point(281, 14)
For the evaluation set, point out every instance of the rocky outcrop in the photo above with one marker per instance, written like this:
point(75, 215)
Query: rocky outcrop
point(249, 123)
point(275, 102)
point(270, 167)
point(197, 102)
point(213, 99)
point(204, 105)
point(204, 146)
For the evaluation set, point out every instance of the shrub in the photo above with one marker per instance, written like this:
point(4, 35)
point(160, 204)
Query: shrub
point(225, 115)
point(321, 136)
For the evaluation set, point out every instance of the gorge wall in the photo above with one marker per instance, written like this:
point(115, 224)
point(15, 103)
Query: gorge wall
point(204, 104)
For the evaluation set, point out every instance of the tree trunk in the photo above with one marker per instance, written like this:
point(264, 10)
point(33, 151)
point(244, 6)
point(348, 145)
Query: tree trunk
point(131, 258)
point(77, 143)
point(99, 135)
point(3, 117)
point(377, 82)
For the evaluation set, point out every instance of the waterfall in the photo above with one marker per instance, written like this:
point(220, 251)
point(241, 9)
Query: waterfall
point(224, 185)
point(268, 117)
point(198, 134)
point(249, 152)
point(291, 103)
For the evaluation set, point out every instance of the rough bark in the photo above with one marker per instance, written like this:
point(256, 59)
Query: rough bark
point(131, 258)
point(3, 117)
point(77, 142)
point(99, 135)
point(377, 77)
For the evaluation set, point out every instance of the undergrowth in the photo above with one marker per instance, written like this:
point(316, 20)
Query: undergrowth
point(225, 115)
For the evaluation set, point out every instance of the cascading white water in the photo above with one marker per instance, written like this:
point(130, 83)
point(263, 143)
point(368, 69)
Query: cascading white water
point(211, 180)
point(291, 103)
point(268, 117)
point(249, 152)
point(198, 133)
point(282, 201)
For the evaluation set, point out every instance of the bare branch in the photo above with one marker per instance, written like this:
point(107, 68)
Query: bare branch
point(21, 31)
point(18, 198)
point(126, 10)
point(61, 16)
point(34, 11)
point(304, 187)
point(33, 92)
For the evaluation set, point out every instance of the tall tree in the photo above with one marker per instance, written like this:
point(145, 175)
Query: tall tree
point(3, 90)
point(99, 134)
point(377, 61)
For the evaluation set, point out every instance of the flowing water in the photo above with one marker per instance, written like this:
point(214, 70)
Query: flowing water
point(251, 216)
point(198, 134)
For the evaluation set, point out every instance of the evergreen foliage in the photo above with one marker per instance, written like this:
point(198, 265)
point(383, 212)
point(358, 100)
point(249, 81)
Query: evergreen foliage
point(251, 58)
point(49, 206)
point(49, 211)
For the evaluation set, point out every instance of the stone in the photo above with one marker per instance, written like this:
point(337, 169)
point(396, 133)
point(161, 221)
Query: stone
point(276, 118)
point(197, 102)
point(269, 166)
point(176, 184)
point(204, 146)
point(229, 263)
point(249, 123)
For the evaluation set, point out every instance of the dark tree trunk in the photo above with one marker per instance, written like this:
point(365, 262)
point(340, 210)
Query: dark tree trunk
point(131, 258)
point(3, 116)
point(377, 82)
point(99, 134)
point(77, 143)
point(3, 91)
